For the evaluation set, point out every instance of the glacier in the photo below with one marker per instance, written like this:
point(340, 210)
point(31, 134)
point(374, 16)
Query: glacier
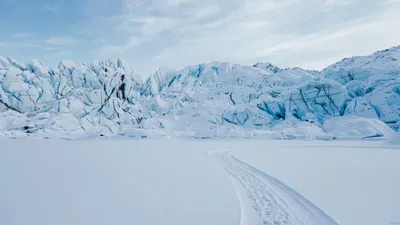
point(358, 97)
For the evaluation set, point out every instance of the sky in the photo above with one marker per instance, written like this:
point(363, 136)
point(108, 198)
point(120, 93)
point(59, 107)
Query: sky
point(148, 34)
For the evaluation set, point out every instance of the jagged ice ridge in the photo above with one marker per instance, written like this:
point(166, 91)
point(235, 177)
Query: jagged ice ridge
point(356, 97)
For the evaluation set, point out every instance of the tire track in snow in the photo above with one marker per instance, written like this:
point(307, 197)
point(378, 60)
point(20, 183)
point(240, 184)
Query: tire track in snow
point(273, 202)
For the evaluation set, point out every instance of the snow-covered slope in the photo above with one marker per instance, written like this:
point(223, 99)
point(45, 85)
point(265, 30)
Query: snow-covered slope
point(373, 82)
point(361, 67)
point(207, 100)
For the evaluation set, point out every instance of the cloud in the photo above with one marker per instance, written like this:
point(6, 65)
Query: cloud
point(61, 40)
point(286, 32)
point(151, 25)
point(29, 45)
point(178, 2)
point(51, 8)
point(320, 49)
point(20, 44)
point(392, 1)
point(22, 35)
point(340, 2)
point(207, 11)
point(119, 49)
point(273, 31)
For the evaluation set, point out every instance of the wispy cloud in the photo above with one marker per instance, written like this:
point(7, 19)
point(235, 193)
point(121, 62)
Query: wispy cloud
point(29, 45)
point(61, 40)
point(340, 2)
point(151, 33)
point(392, 1)
point(3, 44)
point(51, 8)
point(269, 30)
point(131, 43)
point(207, 11)
point(22, 35)
point(320, 49)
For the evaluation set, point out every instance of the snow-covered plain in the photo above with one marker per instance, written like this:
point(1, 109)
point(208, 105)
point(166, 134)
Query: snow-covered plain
point(178, 181)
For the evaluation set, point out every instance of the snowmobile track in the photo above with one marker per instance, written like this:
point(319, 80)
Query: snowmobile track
point(271, 201)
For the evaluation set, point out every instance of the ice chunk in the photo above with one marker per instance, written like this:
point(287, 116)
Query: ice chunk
point(322, 98)
point(361, 107)
point(356, 127)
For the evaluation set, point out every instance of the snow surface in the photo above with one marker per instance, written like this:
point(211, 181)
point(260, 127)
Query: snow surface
point(121, 181)
point(272, 200)
point(210, 100)
point(111, 182)
point(353, 126)
point(354, 182)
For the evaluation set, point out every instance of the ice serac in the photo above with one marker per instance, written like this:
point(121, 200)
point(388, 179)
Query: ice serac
point(316, 99)
point(372, 81)
point(157, 81)
point(209, 100)
point(25, 88)
point(73, 98)
point(360, 107)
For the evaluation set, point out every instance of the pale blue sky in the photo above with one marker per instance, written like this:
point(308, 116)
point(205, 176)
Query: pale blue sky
point(153, 33)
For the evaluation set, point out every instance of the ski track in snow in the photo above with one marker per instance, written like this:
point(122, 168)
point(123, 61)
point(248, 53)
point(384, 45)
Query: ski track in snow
point(273, 202)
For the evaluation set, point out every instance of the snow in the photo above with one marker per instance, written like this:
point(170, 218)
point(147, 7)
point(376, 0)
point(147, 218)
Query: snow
point(321, 98)
point(111, 182)
point(354, 182)
point(362, 67)
point(267, 66)
point(158, 80)
point(353, 126)
point(208, 98)
point(361, 107)
point(394, 139)
point(272, 200)
point(177, 181)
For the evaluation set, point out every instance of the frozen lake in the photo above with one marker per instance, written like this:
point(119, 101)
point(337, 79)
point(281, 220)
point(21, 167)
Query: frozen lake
point(177, 182)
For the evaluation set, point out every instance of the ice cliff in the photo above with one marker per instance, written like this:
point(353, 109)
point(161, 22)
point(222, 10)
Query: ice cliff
point(210, 100)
